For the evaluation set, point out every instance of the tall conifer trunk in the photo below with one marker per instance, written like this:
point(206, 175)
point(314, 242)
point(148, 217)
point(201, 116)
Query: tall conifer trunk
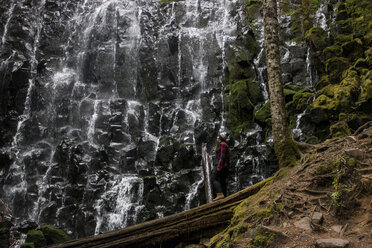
point(284, 146)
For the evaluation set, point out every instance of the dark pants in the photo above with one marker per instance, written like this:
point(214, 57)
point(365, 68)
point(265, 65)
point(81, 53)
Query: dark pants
point(219, 180)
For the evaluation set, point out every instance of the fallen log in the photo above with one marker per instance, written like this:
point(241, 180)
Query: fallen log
point(189, 225)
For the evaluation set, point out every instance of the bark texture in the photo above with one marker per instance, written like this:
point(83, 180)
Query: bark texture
point(284, 146)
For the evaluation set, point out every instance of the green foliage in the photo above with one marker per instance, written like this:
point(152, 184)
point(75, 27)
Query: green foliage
point(54, 236)
point(302, 16)
point(36, 237)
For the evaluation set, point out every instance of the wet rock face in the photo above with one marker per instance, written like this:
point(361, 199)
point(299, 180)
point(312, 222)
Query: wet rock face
point(105, 106)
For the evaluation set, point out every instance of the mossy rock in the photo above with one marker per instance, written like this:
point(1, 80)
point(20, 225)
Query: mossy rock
point(365, 101)
point(317, 38)
point(368, 55)
point(342, 15)
point(263, 115)
point(291, 90)
point(332, 51)
point(300, 102)
point(353, 49)
point(28, 245)
point(164, 2)
point(252, 9)
point(240, 71)
point(262, 239)
point(341, 38)
point(240, 107)
point(254, 91)
point(345, 27)
point(340, 129)
point(366, 92)
point(368, 38)
point(37, 237)
point(253, 47)
point(362, 62)
point(335, 67)
point(53, 235)
point(338, 97)
point(323, 82)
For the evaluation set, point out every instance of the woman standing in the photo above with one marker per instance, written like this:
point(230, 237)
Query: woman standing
point(221, 168)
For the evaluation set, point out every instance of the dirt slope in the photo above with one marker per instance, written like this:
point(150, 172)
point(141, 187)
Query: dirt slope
point(333, 181)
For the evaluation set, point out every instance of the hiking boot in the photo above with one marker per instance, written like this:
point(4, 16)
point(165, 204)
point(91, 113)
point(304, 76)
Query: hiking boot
point(219, 197)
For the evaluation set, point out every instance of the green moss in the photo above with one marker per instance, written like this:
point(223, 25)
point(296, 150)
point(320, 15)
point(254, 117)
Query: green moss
point(340, 129)
point(299, 103)
point(287, 152)
point(302, 16)
point(254, 91)
point(54, 236)
point(240, 108)
point(323, 82)
point(334, 98)
point(317, 38)
point(164, 2)
point(332, 51)
point(345, 189)
point(252, 9)
point(341, 38)
point(335, 67)
point(352, 49)
point(263, 115)
point(28, 245)
point(325, 169)
point(366, 89)
point(36, 237)
point(262, 239)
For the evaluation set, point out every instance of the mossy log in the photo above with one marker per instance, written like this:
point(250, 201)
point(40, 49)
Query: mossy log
point(189, 225)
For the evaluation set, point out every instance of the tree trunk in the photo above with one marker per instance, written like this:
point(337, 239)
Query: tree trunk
point(285, 148)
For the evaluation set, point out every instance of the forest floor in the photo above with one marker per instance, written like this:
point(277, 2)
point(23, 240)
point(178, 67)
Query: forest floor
point(328, 196)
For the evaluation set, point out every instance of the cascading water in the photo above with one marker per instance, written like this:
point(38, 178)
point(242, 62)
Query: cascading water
point(121, 100)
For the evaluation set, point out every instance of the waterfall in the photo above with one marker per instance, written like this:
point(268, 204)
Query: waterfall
point(6, 26)
point(259, 61)
point(122, 95)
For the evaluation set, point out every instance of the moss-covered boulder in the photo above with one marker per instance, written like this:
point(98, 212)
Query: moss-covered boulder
point(337, 97)
point(317, 40)
point(263, 114)
point(254, 91)
point(335, 67)
point(28, 245)
point(53, 235)
point(36, 237)
point(353, 49)
point(332, 51)
point(240, 107)
point(365, 101)
point(340, 129)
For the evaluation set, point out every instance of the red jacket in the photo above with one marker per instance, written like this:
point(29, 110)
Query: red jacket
point(223, 155)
